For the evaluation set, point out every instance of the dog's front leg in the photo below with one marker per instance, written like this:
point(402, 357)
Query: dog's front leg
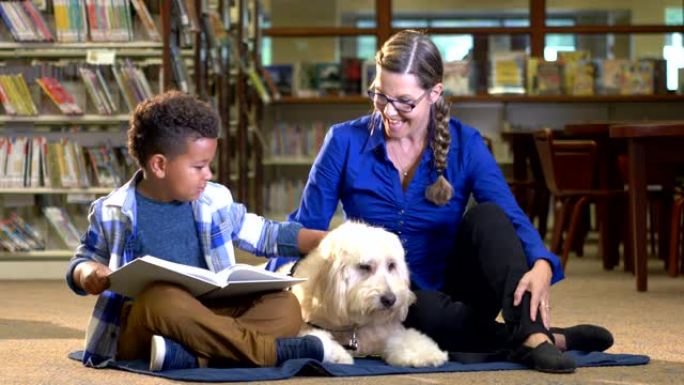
point(409, 347)
point(332, 351)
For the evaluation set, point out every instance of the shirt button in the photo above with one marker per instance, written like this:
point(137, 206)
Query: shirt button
point(401, 212)
point(401, 223)
point(399, 232)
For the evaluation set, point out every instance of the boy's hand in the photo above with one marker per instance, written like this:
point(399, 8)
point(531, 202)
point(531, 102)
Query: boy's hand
point(93, 277)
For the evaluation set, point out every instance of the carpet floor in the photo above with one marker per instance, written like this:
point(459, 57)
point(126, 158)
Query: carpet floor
point(42, 321)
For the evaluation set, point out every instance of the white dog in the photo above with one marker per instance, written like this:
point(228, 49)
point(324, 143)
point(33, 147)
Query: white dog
point(357, 292)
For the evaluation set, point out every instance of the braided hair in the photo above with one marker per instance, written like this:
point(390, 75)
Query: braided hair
point(412, 52)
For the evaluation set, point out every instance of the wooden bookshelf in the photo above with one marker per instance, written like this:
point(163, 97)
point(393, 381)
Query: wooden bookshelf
point(60, 120)
point(37, 255)
point(498, 98)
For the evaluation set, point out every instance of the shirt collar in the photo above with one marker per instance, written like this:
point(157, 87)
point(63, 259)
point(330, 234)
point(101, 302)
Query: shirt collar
point(376, 138)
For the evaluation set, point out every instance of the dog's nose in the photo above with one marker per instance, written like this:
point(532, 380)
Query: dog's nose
point(388, 299)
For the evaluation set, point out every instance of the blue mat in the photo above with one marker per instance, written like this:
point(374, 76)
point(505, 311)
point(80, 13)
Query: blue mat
point(361, 367)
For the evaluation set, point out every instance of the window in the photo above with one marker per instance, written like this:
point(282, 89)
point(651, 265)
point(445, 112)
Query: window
point(673, 51)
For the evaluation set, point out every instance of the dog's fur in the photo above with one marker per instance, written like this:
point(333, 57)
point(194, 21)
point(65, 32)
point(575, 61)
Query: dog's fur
point(358, 279)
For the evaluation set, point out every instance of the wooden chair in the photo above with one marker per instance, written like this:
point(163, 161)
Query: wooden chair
point(676, 253)
point(569, 168)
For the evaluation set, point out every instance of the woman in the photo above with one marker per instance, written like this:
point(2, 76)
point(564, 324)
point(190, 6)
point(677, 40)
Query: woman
point(411, 168)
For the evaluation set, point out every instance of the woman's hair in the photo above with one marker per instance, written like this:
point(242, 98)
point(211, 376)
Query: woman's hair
point(164, 123)
point(412, 52)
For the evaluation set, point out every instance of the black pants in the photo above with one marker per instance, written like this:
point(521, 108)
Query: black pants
point(480, 279)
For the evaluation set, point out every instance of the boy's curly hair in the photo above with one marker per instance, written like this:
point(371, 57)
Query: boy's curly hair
point(164, 123)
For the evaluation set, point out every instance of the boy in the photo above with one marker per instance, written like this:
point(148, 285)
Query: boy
point(171, 210)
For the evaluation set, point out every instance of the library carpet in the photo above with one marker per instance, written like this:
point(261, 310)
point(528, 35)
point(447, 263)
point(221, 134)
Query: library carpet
point(361, 367)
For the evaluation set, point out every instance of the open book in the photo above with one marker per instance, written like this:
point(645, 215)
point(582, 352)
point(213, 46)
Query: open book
point(239, 279)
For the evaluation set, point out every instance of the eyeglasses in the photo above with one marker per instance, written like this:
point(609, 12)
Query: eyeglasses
point(380, 100)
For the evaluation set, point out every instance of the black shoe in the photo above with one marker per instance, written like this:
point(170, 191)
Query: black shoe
point(544, 358)
point(588, 338)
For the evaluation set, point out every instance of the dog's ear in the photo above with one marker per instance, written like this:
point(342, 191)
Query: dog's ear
point(334, 289)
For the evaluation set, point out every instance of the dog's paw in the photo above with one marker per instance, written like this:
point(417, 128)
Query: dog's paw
point(333, 352)
point(414, 349)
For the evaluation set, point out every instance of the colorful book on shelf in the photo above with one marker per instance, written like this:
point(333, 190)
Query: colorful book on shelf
point(258, 84)
point(239, 279)
point(33, 237)
point(637, 78)
point(549, 79)
point(61, 222)
point(18, 95)
point(609, 77)
point(24, 21)
point(367, 75)
point(458, 78)
point(351, 75)
point(179, 69)
point(304, 82)
point(507, 74)
point(583, 83)
point(6, 101)
point(282, 75)
point(98, 90)
point(17, 153)
point(146, 20)
point(132, 83)
point(531, 75)
point(574, 66)
point(328, 78)
point(4, 145)
point(10, 232)
point(71, 21)
point(64, 101)
point(270, 83)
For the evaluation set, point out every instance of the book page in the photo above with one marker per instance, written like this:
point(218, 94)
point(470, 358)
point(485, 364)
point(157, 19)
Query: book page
point(133, 277)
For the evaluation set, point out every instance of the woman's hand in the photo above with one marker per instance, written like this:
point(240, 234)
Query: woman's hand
point(538, 282)
point(92, 277)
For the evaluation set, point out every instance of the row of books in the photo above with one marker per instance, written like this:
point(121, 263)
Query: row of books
point(77, 20)
point(297, 140)
point(352, 76)
point(35, 162)
point(575, 73)
point(17, 235)
point(510, 72)
point(16, 84)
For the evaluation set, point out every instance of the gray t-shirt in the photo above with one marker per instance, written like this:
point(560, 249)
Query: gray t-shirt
point(167, 230)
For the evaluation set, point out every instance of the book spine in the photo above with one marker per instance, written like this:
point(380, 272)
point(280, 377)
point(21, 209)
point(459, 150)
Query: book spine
point(146, 19)
point(38, 20)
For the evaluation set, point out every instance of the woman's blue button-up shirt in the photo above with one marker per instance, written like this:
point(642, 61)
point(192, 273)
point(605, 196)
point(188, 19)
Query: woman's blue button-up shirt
point(353, 168)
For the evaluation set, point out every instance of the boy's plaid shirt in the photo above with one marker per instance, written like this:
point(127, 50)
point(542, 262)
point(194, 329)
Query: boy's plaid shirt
point(110, 240)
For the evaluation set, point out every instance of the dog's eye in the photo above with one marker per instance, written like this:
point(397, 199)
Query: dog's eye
point(365, 267)
point(391, 266)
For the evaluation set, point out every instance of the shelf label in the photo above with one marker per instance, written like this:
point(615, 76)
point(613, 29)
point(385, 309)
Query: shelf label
point(100, 57)
point(83, 198)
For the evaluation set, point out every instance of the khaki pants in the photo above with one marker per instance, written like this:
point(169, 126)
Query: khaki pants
point(241, 329)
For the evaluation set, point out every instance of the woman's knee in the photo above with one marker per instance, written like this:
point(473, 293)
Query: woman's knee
point(487, 216)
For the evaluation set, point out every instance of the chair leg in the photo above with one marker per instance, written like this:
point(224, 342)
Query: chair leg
point(558, 226)
point(573, 228)
point(675, 235)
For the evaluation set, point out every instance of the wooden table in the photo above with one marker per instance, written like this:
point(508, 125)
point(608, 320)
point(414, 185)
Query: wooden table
point(654, 144)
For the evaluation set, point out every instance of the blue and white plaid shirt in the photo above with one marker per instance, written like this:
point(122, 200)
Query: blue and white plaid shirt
point(111, 239)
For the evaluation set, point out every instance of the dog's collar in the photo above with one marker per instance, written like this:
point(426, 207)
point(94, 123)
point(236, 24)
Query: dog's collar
point(353, 343)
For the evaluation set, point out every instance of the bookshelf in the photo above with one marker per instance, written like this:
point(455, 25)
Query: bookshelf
point(217, 51)
point(607, 30)
point(123, 53)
